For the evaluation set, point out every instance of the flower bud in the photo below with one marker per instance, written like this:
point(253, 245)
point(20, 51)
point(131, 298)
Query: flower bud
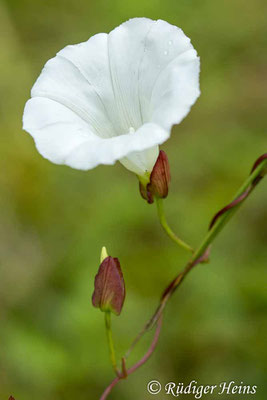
point(109, 293)
point(159, 180)
point(160, 176)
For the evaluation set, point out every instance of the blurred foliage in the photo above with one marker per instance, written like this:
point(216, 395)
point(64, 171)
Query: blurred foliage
point(54, 220)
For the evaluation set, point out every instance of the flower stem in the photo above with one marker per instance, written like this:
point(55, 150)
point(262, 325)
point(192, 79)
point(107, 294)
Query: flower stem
point(139, 363)
point(202, 252)
point(110, 341)
point(168, 230)
point(245, 190)
point(199, 256)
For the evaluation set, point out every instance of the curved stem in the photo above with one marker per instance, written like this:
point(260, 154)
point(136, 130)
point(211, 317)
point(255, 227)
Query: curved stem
point(244, 191)
point(202, 252)
point(199, 256)
point(139, 363)
point(110, 342)
point(168, 230)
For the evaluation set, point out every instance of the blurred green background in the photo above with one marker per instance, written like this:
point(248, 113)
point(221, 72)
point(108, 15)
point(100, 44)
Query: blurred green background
point(54, 220)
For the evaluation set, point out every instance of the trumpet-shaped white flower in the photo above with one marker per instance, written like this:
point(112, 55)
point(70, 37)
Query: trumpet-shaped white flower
point(114, 97)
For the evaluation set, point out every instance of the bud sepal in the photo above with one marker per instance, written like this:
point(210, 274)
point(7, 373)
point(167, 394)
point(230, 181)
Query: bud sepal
point(109, 293)
point(159, 180)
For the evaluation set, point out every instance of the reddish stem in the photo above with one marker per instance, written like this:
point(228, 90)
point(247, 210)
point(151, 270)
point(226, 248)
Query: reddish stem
point(242, 197)
point(258, 162)
point(234, 203)
point(157, 317)
point(139, 363)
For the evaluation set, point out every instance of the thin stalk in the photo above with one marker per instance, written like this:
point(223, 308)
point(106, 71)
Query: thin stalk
point(201, 254)
point(247, 189)
point(110, 342)
point(166, 227)
point(138, 364)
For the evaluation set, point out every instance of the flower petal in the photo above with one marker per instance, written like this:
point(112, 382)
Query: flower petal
point(62, 81)
point(65, 138)
point(141, 162)
point(142, 77)
point(91, 59)
point(126, 46)
point(108, 151)
point(155, 72)
point(56, 129)
point(169, 75)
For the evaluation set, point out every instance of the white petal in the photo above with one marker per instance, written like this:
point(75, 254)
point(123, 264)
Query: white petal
point(141, 162)
point(56, 129)
point(142, 76)
point(91, 59)
point(107, 151)
point(126, 45)
point(63, 81)
point(169, 75)
point(155, 72)
point(65, 138)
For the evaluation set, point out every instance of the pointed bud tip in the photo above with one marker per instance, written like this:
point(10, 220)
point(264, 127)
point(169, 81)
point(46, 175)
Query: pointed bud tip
point(109, 291)
point(104, 254)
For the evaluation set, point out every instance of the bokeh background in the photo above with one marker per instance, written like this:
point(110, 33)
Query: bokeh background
point(54, 220)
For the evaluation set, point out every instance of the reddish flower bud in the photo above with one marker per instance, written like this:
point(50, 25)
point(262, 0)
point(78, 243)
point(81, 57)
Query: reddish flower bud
point(11, 398)
point(160, 176)
point(159, 180)
point(109, 293)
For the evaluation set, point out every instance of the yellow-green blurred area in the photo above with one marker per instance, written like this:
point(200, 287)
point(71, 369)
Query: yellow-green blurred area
point(54, 220)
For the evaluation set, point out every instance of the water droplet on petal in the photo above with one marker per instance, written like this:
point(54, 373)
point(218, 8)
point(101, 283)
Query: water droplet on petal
point(170, 42)
point(166, 52)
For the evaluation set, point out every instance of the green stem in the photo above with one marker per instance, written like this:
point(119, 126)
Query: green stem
point(168, 230)
point(221, 222)
point(110, 341)
point(250, 185)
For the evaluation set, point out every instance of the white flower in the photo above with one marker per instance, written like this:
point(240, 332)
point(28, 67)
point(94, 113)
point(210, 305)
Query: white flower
point(114, 97)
